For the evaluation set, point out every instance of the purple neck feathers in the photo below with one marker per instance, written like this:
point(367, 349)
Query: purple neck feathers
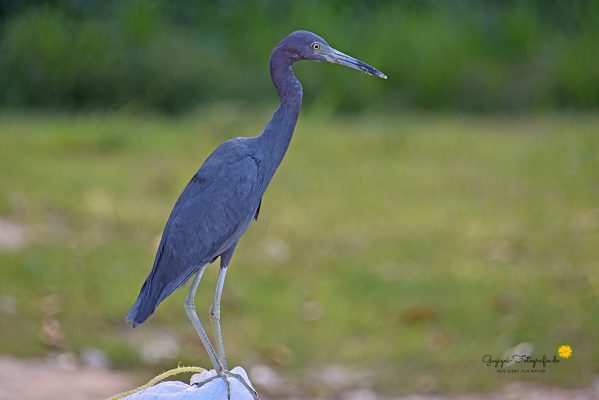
point(279, 130)
point(287, 85)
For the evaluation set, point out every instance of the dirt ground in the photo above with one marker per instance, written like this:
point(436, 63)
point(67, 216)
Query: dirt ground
point(35, 379)
point(49, 380)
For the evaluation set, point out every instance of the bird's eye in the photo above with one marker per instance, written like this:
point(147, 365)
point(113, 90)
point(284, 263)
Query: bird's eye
point(315, 46)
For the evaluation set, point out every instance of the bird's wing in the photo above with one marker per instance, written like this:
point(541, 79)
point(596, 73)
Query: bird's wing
point(220, 196)
point(215, 208)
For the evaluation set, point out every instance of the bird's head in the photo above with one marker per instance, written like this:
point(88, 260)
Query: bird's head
point(305, 45)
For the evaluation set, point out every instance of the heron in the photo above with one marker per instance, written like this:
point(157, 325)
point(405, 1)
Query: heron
point(224, 196)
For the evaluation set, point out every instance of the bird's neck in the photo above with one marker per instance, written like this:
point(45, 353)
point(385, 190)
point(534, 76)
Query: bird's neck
point(279, 130)
point(287, 85)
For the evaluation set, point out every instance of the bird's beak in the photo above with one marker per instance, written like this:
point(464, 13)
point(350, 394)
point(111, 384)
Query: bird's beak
point(337, 57)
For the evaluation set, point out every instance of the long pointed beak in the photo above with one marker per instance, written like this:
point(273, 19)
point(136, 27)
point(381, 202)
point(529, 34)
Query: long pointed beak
point(337, 57)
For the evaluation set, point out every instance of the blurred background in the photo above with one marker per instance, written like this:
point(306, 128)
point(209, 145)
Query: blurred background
point(416, 224)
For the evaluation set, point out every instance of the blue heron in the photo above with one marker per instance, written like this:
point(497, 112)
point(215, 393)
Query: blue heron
point(219, 203)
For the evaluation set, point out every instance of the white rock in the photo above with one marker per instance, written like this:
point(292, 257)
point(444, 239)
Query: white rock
point(213, 390)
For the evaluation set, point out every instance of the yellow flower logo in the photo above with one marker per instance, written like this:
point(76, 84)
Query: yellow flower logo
point(564, 351)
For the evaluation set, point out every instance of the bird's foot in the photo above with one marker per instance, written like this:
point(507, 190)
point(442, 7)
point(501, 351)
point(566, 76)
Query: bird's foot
point(205, 381)
point(226, 375)
point(243, 382)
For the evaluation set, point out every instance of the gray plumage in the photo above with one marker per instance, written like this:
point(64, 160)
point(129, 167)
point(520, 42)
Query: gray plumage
point(219, 203)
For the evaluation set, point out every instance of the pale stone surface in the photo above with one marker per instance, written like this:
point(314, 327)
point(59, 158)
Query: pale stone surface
point(213, 390)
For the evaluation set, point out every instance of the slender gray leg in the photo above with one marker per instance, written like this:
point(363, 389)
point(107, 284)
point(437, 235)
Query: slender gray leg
point(225, 258)
point(215, 316)
point(193, 317)
point(244, 383)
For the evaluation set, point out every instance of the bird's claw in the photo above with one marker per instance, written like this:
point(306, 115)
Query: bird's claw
point(205, 381)
point(228, 374)
point(243, 382)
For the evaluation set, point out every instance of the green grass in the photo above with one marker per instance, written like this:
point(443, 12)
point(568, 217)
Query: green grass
point(428, 241)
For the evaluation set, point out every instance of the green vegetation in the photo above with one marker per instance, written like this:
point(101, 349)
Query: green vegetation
point(412, 245)
point(171, 55)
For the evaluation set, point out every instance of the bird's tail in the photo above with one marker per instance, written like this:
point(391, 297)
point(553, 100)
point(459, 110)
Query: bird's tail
point(142, 308)
point(132, 314)
point(152, 294)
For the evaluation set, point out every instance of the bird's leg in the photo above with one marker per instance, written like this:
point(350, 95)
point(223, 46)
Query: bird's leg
point(193, 317)
point(243, 382)
point(215, 316)
point(225, 259)
point(230, 375)
point(191, 313)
